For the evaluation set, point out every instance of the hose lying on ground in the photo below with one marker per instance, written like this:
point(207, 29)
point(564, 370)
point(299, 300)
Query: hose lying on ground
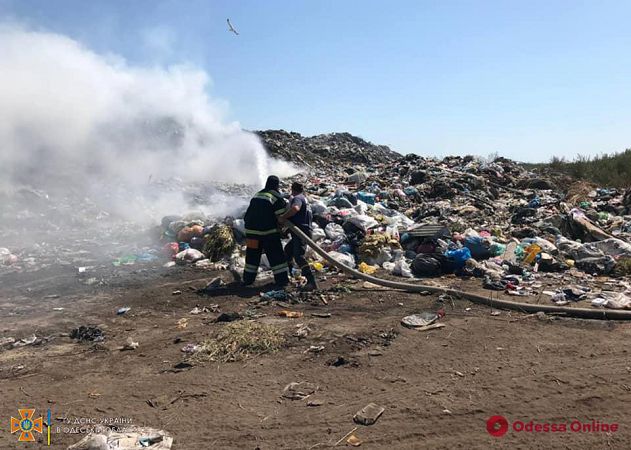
point(475, 298)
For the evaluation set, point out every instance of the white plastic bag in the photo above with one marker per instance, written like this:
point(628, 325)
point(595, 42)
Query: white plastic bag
point(363, 222)
point(402, 269)
point(318, 234)
point(189, 255)
point(334, 231)
point(343, 258)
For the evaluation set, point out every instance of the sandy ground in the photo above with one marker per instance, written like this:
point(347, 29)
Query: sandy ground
point(438, 387)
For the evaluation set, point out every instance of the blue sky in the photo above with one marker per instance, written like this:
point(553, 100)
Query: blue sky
point(525, 79)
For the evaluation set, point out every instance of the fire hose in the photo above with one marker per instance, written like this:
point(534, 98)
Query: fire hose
point(584, 313)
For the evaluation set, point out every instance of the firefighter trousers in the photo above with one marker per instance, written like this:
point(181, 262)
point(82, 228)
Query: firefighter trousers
point(273, 248)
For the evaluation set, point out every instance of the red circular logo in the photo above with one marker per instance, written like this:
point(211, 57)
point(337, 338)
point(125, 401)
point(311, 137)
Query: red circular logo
point(497, 426)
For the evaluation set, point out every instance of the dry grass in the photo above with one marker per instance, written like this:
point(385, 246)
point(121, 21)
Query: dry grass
point(623, 267)
point(240, 340)
point(578, 192)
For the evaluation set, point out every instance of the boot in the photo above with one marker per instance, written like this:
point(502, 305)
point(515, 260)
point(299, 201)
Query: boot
point(312, 284)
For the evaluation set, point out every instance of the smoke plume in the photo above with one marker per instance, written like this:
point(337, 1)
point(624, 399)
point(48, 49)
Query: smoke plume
point(71, 119)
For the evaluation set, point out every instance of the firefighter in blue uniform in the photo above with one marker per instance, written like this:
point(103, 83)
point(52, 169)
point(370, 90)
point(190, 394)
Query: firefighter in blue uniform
point(299, 213)
point(262, 234)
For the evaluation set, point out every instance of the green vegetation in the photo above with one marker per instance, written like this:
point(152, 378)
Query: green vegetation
point(609, 170)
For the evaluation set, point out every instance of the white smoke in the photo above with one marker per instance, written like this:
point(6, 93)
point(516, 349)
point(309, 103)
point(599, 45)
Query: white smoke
point(72, 118)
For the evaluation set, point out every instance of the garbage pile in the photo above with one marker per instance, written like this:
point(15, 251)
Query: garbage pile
point(63, 228)
point(324, 150)
point(515, 231)
point(194, 238)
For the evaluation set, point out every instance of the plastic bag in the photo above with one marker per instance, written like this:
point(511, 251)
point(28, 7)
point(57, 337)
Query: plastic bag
point(189, 255)
point(393, 232)
point(366, 197)
point(478, 246)
point(343, 258)
point(531, 253)
point(426, 266)
point(459, 256)
point(367, 269)
point(402, 269)
point(334, 231)
point(318, 234)
point(384, 255)
point(317, 207)
point(497, 249)
point(363, 222)
point(171, 249)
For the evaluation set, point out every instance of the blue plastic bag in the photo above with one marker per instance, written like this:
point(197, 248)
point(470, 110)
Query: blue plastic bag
point(366, 197)
point(458, 256)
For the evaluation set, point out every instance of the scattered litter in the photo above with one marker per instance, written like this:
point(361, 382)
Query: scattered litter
point(367, 269)
point(182, 323)
point(433, 326)
point(212, 285)
point(6, 341)
point(369, 414)
point(190, 348)
point(314, 349)
point(420, 320)
point(344, 437)
point(130, 344)
point(87, 333)
point(275, 295)
point(291, 314)
point(197, 310)
point(132, 439)
point(369, 285)
point(354, 441)
point(342, 361)
point(613, 300)
point(229, 317)
point(302, 331)
point(123, 310)
point(299, 391)
point(30, 340)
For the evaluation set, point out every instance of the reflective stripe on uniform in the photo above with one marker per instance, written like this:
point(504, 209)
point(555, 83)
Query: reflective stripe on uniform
point(261, 233)
point(280, 211)
point(280, 268)
point(251, 268)
point(265, 196)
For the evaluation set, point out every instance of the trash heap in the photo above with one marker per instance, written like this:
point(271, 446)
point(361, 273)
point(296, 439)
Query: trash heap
point(194, 239)
point(324, 150)
point(516, 231)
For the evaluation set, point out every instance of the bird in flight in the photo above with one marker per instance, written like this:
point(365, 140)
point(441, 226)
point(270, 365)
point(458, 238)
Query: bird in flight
point(231, 28)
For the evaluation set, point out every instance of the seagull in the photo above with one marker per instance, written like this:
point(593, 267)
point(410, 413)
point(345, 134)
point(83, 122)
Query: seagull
point(231, 28)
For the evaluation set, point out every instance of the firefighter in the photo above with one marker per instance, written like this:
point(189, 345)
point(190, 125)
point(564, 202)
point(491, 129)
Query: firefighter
point(299, 213)
point(263, 235)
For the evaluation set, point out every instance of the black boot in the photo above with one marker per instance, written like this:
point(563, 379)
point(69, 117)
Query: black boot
point(312, 284)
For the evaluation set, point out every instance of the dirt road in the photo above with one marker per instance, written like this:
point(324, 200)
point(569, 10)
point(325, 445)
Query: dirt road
point(438, 387)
